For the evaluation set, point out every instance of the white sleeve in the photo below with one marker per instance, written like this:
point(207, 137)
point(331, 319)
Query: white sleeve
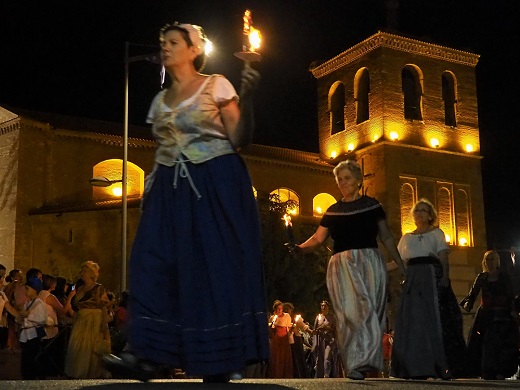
point(154, 107)
point(224, 90)
point(440, 241)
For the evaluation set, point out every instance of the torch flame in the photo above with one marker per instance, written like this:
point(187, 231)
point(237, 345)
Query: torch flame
point(297, 318)
point(255, 39)
point(253, 35)
point(287, 219)
point(248, 20)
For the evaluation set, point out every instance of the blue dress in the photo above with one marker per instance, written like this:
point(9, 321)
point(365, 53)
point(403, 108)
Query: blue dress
point(196, 274)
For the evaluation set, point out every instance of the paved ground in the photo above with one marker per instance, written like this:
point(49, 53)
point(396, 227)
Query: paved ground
point(10, 380)
point(262, 384)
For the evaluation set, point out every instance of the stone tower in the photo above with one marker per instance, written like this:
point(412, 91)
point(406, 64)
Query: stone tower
point(406, 110)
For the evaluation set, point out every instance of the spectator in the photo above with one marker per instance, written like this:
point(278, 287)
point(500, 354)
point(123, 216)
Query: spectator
point(12, 290)
point(493, 338)
point(324, 344)
point(90, 337)
point(32, 318)
point(280, 364)
point(298, 328)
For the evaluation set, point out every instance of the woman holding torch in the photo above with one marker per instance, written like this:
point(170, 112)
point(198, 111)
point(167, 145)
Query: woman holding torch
point(356, 273)
point(198, 238)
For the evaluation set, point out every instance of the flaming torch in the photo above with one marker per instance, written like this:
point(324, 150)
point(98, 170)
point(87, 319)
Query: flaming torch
point(252, 40)
point(288, 228)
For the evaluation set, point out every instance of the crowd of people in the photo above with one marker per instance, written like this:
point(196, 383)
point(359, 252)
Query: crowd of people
point(197, 299)
point(60, 329)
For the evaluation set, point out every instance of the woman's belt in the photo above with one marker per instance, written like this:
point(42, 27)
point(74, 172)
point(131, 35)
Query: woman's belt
point(423, 260)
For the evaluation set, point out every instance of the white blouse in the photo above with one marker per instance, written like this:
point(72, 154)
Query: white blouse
point(422, 245)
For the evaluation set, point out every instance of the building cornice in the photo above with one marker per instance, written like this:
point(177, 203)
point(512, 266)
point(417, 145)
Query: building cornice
point(396, 42)
point(9, 121)
point(398, 144)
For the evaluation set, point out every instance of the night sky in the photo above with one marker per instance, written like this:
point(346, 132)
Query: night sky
point(66, 57)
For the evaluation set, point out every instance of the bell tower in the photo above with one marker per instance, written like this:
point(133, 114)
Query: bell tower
point(406, 110)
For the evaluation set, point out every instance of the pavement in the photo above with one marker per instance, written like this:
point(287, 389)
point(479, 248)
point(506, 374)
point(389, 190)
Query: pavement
point(10, 380)
point(262, 384)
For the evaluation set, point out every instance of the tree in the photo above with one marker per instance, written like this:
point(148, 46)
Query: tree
point(299, 279)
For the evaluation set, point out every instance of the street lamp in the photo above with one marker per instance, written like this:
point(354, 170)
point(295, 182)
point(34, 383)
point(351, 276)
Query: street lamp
point(154, 58)
point(101, 181)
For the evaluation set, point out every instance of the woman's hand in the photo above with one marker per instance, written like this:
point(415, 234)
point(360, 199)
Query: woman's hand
point(249, 81)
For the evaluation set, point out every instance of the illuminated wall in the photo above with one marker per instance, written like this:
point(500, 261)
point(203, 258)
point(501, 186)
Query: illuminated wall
point(112, 170)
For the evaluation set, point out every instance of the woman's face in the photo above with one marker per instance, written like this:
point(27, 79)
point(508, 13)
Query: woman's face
point(2, 276)
point(18, 277)
point(86, 274)
point(175, 49)
point(421, 214)
point(278, 310)
point(347, 183)
point(324, 308)
point(492, 262)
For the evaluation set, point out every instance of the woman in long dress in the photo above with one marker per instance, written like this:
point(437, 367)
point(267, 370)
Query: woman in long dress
point(280, 364)
point(428, 340)
point(493, 338)
point(197, 297)
point(90, 337)
point(356, 273)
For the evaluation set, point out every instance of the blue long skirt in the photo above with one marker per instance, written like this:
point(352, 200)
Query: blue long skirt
point(196, 273)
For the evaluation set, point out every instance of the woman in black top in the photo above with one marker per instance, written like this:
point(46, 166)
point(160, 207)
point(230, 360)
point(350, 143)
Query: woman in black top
point(356, 274)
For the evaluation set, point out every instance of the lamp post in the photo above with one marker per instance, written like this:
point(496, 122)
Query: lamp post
point(154, 58)
point(101, 181)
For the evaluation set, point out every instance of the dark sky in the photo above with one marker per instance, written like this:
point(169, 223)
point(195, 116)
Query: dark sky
point(66, 57)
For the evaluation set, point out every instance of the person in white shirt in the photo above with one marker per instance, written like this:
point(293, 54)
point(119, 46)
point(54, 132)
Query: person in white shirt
point(32, 318)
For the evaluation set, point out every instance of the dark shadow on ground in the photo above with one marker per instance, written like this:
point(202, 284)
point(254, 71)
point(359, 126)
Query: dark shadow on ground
point(187, 386)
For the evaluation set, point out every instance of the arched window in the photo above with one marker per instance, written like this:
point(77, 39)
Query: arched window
point(445, 211)
point(112, 170)
point(361, 91)
point(411, 77)
point(321, 203)
point(462, 219)
point(449, 95)
point(285, 195)
point(337, 107)
point(407, 199)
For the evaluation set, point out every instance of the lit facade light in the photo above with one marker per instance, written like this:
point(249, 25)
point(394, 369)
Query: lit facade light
point(469, 148)
point(319, 210)
point(334, 154)
point(375, 137)
point(463, 241)
point(350, 147)
point(434, 142)
point(394, 136)
point(447, 238)
point(117, 191)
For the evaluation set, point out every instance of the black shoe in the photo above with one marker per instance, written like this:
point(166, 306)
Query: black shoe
point(355, 375)
point(129, 366)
